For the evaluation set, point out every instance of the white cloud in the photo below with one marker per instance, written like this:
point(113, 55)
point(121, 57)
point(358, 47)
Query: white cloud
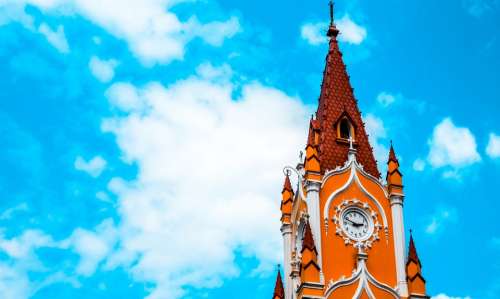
point(452, 146)
point(377, 135)
point(444, 296)
point(441, 217)
point(9, 213)
point(103, 70)
point(477, 8)
point(93, 247)
point(124, 96)
point(55, 38)
point(493, 148)
point(314, 33)
point(419, 165)
point(153, 32)
point(386, 99)
point(15, 281)
point(350, 32)
point(209, 167)
point(94, 167)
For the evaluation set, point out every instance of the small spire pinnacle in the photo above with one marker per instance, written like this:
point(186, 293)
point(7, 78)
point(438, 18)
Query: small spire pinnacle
point(412, 250)
point(392, 154)
point(332, 31)
point(287, 186)
point(279, 291)
point(308, 240)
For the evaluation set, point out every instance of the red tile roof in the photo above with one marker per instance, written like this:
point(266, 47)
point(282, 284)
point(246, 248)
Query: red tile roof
point(336, 101)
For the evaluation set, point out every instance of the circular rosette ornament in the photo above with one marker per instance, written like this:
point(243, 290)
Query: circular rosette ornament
point(356, 223)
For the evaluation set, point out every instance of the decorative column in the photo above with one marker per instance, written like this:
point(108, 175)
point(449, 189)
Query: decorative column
point(396, 199)
point(286, 231)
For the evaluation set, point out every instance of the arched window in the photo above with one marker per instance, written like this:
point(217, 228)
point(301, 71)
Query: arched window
point(345, 130)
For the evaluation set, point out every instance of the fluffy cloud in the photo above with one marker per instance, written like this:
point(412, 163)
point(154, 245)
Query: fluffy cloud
point(493, 148)
point(14, 273)
point(452, 146)
point(443, 296)
point(209, 177)
point(377, 135)
point(93, 167)
point(153, 33)
point(419, 165)
point(55, 38)
point(386, 99)
point(314, 33)
point(441, 217)
point(103, 70)
point(350, 32)
point(93, 247)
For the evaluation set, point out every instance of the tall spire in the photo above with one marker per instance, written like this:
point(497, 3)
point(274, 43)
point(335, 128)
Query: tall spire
point(336, 103)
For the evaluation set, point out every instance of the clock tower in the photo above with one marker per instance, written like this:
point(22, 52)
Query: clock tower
point(342, 225)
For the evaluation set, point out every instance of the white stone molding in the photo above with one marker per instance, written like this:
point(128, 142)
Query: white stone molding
point(353, 178)
point(399, 242)
point(286, 231)
point(364, 278)
point(372, 217)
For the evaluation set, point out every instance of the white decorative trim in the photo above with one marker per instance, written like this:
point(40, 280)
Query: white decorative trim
point(364, 277)
point(353, 167)
point(300, 180)
point(371, 216)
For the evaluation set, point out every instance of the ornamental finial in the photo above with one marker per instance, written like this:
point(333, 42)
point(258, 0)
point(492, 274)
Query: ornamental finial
point(332, 30)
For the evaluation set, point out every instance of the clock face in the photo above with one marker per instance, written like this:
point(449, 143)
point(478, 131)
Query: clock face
point(356, 224)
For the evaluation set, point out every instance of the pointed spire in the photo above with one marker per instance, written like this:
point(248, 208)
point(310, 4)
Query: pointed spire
point(394, 176)
point(279, 291)
point(415, 280)
point(337, 103)
point(308, 240)
point(332, 30)
point(412, 251)
point(392, 155)
point(287, 186)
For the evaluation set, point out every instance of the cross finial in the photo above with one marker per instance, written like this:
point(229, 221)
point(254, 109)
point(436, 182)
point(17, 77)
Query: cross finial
point(351, 147)
point(331, 12)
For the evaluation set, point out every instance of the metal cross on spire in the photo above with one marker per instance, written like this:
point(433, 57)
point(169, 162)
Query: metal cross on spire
point(332, 31)
point(331, 12)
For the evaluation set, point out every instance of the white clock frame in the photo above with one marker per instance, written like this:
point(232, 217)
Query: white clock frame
point(371, 216)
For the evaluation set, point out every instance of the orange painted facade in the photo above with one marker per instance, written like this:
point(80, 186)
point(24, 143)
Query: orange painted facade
point(343, 229)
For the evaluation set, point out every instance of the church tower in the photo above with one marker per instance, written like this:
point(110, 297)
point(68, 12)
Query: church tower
point(342, 226)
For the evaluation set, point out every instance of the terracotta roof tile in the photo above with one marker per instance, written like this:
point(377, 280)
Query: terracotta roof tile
point(337, 100)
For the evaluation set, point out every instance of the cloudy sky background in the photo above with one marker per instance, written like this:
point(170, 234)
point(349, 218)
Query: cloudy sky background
point(142, 142)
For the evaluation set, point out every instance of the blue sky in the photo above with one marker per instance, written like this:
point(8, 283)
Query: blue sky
point(142, 142)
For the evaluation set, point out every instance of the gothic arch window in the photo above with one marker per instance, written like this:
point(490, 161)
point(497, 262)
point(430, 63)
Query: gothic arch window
point(345, 130)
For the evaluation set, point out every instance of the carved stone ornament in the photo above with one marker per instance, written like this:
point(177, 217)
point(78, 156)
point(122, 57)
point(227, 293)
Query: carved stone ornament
point(374, 226)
